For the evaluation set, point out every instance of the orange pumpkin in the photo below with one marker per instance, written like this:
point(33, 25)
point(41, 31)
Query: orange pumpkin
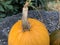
point(28, 31)
point(38, 34)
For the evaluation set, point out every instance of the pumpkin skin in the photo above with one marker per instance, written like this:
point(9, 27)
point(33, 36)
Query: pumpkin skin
point(55, 37)
point(38, 34)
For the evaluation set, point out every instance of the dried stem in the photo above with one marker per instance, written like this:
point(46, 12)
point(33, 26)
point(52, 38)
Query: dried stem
point(25, 23)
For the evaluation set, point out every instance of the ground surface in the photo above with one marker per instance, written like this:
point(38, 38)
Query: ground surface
point(50, 19)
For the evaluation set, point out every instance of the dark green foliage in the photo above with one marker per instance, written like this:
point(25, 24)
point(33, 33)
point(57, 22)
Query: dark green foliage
point(10, 7)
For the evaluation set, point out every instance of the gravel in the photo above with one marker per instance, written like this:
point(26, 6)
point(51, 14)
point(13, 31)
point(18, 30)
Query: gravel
point(50, 19)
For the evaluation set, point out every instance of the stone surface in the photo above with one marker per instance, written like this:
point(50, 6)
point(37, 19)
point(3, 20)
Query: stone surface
point(50, 19)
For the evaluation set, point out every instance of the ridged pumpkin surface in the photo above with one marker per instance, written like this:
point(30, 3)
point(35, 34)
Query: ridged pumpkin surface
point(38, 34)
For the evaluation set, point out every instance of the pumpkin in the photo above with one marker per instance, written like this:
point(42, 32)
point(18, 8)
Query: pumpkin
point(38, 34)
point(28, 31)
point(55, 37)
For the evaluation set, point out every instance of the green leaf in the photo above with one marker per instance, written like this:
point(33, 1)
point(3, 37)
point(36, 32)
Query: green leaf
point(1, 8)
point(2, 15)
point(21, 2)
point(4, 5)
point(1, 19)
point(17, 1)
point(8, 2)
point(10, 7)
point(30, 4)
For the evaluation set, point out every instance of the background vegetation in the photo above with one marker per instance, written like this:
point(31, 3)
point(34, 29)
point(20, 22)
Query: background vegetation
point(10, 7)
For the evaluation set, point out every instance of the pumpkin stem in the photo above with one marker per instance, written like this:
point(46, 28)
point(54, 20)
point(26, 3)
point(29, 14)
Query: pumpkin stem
point(25, 22)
